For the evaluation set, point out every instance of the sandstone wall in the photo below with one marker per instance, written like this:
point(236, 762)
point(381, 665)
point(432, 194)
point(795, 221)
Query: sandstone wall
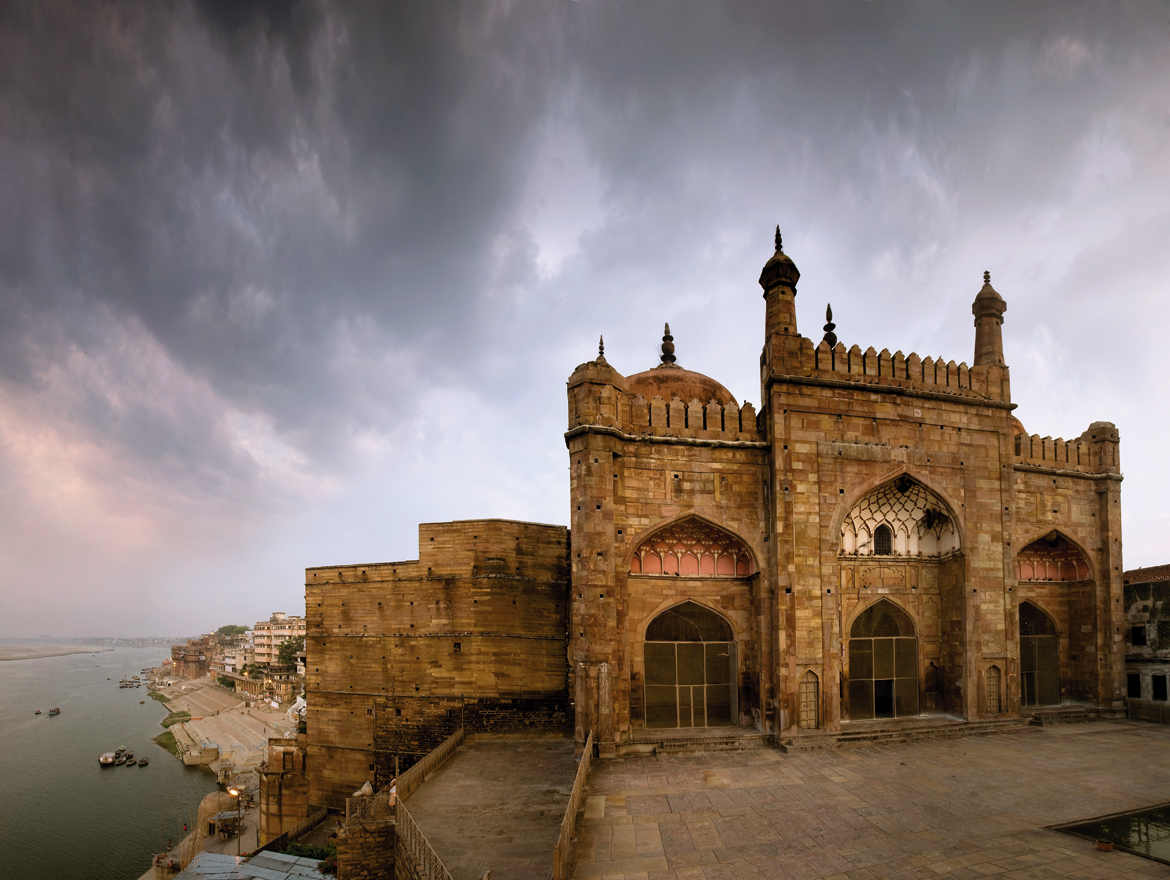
point(398, 652)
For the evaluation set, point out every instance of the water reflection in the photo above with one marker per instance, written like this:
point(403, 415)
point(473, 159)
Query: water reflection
point(1146, 832)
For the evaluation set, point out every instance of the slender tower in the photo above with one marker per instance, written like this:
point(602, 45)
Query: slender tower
point(988, 309)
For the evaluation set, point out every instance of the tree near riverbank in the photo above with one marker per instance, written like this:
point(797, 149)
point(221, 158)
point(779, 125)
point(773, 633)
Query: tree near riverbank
point(286, 653)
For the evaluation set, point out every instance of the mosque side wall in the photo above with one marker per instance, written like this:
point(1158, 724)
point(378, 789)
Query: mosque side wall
point(398, 654)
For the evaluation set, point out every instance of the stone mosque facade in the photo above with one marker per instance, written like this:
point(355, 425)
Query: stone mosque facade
point(879, 541)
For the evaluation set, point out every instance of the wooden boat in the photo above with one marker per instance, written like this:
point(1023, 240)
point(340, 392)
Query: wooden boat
point(130, 762)
point(128, 755)
point(54, 711)
point(107, 759)
point(121, 759)
point(142, 762)
point(38, 712)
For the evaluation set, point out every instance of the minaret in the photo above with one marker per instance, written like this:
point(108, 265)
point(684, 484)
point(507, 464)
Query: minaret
point(988, 310)
point(779, 279)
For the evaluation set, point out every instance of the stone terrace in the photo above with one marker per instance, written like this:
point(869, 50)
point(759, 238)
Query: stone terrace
point(497, 804)
point(961, 808)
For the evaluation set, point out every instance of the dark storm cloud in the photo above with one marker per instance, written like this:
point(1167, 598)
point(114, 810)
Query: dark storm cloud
point(257, 259)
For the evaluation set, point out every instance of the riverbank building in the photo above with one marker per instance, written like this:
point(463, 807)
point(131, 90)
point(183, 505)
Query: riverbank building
point(879, 542)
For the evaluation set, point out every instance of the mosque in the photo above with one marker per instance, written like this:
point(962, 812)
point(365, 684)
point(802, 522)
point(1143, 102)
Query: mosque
point(879, 542)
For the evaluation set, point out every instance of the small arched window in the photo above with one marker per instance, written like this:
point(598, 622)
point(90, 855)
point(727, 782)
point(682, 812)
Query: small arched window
point(883, 541)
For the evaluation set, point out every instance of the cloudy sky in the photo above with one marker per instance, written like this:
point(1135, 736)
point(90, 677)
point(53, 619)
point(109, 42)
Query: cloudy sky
point(279, 281)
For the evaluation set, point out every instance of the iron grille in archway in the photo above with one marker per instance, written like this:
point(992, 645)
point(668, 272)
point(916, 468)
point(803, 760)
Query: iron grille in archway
point(1039, 658)
point(883, 664)
point(690, 661)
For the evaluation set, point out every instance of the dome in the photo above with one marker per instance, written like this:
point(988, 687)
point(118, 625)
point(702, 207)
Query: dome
point(670, 380)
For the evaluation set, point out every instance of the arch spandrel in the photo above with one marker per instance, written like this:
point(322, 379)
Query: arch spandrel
point(692, 547)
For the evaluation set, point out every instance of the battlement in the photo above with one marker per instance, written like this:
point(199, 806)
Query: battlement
point(1096, 451)
point(910, 372)
point(701, 421)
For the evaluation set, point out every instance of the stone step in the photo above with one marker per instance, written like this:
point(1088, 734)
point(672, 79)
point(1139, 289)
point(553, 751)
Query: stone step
point(1041, 719)
point(728, 743)
point(899, 733)
point(701, 739)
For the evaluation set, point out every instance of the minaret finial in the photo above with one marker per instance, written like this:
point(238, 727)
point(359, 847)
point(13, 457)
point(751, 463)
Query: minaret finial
point(601, 346)
point(986, 277)
point(667, 346)
point(779, 240)
point(830, 336)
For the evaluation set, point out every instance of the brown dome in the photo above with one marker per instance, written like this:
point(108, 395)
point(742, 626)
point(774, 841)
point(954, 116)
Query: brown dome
point(670, 380)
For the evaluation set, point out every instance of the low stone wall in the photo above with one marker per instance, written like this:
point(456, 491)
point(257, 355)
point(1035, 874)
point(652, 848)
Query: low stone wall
point(366, 851)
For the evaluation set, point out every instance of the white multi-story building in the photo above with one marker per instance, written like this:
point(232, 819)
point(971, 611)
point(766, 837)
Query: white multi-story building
point(267, 635)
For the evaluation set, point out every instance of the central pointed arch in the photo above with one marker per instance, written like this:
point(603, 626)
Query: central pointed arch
point(912, 523)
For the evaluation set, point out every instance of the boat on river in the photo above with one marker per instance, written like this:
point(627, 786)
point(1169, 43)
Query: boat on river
point(130, 762)
point(54, 711)
point(38, 712)
point(142, 762)
point(107, 759)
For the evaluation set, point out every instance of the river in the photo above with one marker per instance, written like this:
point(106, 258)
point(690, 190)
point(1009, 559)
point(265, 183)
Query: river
point(62, 815)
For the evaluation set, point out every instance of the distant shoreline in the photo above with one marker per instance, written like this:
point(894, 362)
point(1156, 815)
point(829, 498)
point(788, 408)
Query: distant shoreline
point(34, 652)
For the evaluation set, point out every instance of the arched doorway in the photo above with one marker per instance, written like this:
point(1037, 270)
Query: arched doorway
point(883, 664)
point(690, 664)
point(1039, 658)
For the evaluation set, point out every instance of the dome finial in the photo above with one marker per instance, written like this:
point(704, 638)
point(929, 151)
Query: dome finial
point(830, 336)
point(601, 346)
point(779, 239)
point(667, 346)
point(986, 277)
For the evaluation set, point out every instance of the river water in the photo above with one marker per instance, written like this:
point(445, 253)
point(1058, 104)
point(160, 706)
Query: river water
point(62, 815)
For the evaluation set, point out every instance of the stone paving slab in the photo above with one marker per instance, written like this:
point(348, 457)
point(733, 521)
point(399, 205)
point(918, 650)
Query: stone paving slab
point(497, 804)
point(956, 808)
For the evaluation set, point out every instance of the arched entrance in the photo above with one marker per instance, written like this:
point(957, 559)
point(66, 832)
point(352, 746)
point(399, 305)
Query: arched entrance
point(1039, 658)
point(690, 664)
point(883, 664)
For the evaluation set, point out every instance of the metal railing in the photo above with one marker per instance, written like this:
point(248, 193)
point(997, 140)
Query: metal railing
point(416, 775)
point(563, 850)
point(310, 822)
point(412, 842)
point(376, 808)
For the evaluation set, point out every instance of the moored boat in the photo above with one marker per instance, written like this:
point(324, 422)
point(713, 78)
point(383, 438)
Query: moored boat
point(121, 759)
point(130, 762)
point(107, 759)
point(142, 762)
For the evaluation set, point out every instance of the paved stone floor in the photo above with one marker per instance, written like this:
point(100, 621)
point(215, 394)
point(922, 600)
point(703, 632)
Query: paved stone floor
point(960, 808)
point(497, 804)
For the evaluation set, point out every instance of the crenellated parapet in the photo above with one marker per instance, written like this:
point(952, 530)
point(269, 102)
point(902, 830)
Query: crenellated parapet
point(665, 402)
point(907, 373)
point(598, 398)
point(1096, 451)
point(691, 419)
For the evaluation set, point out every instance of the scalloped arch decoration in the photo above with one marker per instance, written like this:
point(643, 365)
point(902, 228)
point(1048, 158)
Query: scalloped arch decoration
point(692, 548)
point(917, 521)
